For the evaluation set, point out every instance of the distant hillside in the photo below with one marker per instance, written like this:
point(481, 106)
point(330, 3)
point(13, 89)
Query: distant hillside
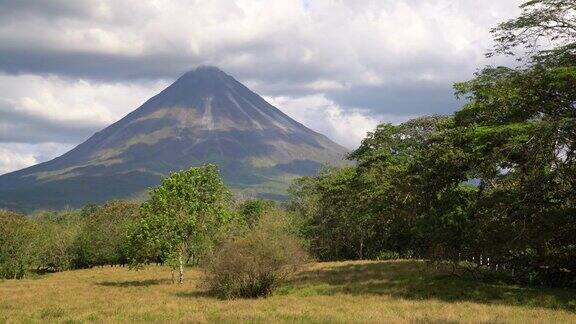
point(205, 116)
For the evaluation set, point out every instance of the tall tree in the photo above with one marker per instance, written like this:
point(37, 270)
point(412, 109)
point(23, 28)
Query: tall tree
point(519, 131)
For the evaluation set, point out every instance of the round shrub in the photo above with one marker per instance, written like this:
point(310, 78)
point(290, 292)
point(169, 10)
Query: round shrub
point(255, 263)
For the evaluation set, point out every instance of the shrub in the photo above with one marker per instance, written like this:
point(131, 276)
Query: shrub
point(255, 263)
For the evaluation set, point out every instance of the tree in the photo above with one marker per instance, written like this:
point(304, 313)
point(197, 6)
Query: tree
point(18, 247)
point(333, 224)
point(252, 210)
point(516, 137)
point(57, 235)
point(360, 212)
point(394, 191)
point(103, 238)
point(545, 29)
point(183, 218)
point(519, 128)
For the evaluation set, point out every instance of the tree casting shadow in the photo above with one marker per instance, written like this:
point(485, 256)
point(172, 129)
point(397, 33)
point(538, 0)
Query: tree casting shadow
point(196, 294)
point(414, 280)
point(134, 283)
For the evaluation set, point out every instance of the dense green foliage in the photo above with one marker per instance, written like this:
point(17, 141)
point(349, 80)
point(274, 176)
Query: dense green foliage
point(251, 211)
point(104, 238)
point(17, 248)
point(359, 212)
point(56, 236)
point(69, 239)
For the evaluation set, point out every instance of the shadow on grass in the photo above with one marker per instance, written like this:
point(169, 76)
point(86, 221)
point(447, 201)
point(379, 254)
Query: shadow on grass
point(36, 274)
point(134, 283)
point(414, 280)
point(196, 294)
point(42, 272)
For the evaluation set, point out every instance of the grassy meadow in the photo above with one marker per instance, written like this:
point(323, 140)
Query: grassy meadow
point(360, 291)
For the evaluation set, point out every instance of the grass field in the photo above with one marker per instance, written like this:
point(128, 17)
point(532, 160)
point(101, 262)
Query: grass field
point(393, 291)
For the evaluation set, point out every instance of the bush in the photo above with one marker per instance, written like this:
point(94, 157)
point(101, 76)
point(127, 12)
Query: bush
point(255, 263)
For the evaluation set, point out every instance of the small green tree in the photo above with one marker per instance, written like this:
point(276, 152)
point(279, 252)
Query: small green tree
point(183, 218)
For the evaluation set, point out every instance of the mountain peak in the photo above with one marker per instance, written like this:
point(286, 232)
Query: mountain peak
point(206, 116)
point(196, 85)
point(205, 70)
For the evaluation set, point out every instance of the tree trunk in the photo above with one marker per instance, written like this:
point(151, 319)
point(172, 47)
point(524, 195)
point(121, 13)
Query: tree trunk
point(172, 275)
point(361, 248)
point(181, 279)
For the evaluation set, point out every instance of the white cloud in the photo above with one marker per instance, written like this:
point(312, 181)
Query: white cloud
point(15, 156)
point(67, 100)
point(62, 105)
point(346, 127)
point(11, 160)
point(361, 42)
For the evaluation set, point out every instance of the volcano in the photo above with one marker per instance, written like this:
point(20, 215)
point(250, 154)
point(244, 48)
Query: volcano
point(206, 116)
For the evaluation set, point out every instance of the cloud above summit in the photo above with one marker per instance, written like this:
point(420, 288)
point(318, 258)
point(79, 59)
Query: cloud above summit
point(69, 68)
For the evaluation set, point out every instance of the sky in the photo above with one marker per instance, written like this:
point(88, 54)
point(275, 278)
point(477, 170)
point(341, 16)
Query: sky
point(340, 67)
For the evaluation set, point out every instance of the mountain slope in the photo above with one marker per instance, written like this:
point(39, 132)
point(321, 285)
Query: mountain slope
point(205, 116)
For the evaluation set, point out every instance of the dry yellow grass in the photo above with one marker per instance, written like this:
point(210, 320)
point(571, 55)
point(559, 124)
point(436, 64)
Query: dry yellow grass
point(395, 291)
